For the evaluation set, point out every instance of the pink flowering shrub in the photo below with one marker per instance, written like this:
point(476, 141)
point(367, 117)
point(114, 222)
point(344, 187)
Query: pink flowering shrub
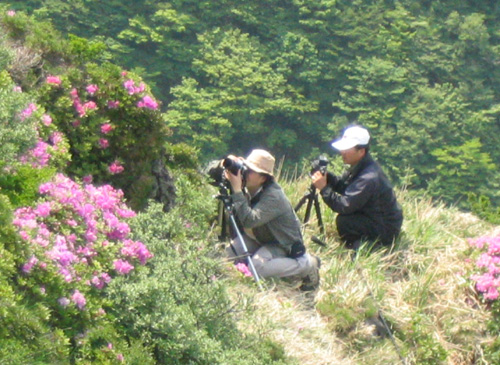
point(487, 281)
point(113, 125)
point(77, 240)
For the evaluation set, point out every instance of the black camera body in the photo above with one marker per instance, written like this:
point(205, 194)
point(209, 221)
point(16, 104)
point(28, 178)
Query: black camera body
point(319, 165)
point(216, 168)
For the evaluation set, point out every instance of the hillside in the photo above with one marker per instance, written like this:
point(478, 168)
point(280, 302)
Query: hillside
point(108, 249)
point(421, 288)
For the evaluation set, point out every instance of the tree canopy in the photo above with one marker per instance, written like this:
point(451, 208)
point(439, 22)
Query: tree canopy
point(289, 75)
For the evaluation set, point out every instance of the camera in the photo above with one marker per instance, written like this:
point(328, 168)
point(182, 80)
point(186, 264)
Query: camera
point(319, 165)
point(215, 170)
point(233, 166)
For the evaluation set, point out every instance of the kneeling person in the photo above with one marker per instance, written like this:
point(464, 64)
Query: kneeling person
point(272, 232)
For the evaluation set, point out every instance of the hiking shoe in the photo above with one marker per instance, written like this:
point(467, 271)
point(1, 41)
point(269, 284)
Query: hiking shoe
point(311, 281)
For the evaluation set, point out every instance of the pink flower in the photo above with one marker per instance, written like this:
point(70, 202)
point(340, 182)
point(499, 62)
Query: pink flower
point(78, 299)
point(106, 128)
point(491, 294)
point(113, 104)
point(120, 357)
point(56, 138)
point(46, 119)
point(148, 102)
point(87, 179)
point(11, 12)
point(136, 249)
point(27, 267)
point(104, 143)
point(53, 80)
point(91, 89)
point(97, 282)
point(122, 267)
point(241, 267)
point(26, 113)
point(115, 168)
point(74, 94)
point(43, 209)
point(63, 301)
point(17, 89)
point(89, 105)
point(132, 89)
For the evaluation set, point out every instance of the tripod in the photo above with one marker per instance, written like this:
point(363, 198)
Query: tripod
point(228, 205)
point(311, 196)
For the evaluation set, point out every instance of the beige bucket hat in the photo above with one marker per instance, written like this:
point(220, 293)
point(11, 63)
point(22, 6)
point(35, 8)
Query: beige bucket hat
point(260, 161)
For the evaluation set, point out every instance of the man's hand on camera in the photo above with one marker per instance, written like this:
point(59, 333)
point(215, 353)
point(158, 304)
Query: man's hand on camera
point(235, 180)
point(318, 180)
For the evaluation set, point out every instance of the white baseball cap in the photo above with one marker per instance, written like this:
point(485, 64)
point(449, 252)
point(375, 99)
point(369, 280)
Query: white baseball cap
point(353, 136)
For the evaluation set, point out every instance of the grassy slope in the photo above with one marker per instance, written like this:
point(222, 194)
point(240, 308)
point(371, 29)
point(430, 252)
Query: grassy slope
point(421, 288)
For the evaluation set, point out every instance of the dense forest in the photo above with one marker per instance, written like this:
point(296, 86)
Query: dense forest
point(109, 246)
point(289, 75)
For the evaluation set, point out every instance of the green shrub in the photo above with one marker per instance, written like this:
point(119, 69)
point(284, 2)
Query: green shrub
point(179, 307)
point(17, 122)
point(21, 186)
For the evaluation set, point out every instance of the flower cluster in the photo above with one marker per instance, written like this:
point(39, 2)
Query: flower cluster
point(488, 281)
point(26, 113)
point(40, 155)
point(81, 233)
point(243, 268)
point(83, 108)
point(54, 80)
point(148, 102)
point(132, 88)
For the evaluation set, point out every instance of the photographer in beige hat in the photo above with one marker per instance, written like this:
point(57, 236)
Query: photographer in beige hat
point(272, 231)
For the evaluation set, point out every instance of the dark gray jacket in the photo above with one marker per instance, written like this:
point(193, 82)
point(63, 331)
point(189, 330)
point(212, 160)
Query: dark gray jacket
point(365, 189)
point(270, 215)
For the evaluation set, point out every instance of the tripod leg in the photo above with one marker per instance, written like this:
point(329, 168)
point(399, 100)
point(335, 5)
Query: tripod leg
point(308, 210)
point(222, 222)
point(245, 249)
point(301, 203)
point(318, 214)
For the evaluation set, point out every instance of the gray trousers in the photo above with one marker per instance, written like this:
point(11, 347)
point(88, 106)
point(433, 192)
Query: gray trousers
point(271, 260)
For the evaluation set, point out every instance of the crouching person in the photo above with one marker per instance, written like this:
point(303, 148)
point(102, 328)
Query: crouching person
point(271, 229)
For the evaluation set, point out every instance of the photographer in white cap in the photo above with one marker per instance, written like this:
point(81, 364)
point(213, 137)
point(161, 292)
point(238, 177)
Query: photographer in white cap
point(272, 230)
point(363, 197)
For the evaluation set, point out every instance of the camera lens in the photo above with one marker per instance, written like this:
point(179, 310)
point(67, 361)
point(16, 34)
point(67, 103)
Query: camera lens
point(232, 166)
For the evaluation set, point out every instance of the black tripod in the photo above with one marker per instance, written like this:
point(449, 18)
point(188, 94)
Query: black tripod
point(311, 196)
point(228, 205)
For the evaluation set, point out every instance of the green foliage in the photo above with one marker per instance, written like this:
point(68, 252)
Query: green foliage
point(21, 185)
point(179, 307)
point(17, 132)
point(85, 50)
point(25, 334)
point(427, 349)
point(466, 163)
point(289, 75)
point(482, 206)
point(243, 92)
